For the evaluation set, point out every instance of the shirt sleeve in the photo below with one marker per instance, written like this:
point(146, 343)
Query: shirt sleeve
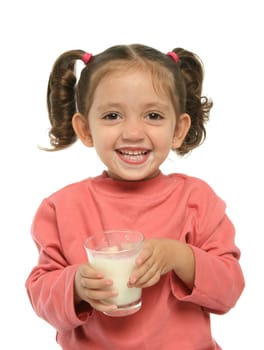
point(50, 285)
point(219, 280)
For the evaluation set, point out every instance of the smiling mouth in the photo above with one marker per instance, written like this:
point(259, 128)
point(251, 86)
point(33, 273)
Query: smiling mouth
point(133, 156)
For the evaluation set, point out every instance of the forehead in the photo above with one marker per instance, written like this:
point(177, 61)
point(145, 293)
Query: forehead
point(160, 78)
point(129, 89)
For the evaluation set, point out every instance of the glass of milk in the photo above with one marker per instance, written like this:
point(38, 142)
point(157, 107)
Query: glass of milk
point(114, 253)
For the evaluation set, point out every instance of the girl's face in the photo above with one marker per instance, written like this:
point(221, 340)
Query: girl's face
point(131, 126)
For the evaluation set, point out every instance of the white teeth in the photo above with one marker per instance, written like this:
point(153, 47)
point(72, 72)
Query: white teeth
point(133, 154)
point(134, 157)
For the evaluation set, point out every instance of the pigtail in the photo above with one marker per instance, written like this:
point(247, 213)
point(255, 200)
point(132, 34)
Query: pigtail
point(61, 101)
point(196, 105)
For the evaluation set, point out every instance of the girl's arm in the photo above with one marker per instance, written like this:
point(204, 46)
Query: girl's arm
point(208, 275)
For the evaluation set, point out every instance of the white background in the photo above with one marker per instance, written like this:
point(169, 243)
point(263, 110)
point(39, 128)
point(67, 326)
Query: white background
point(228, 37)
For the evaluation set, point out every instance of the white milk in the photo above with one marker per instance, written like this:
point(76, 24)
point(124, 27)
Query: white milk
point(119, 271)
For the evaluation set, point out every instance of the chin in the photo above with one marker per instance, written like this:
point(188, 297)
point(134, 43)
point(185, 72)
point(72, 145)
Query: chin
point(133, 175)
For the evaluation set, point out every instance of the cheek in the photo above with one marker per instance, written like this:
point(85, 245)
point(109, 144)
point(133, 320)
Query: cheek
point(164, 138)
point(103, 143)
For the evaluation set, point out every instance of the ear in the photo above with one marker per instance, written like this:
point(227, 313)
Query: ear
point(182, 127)
point(81, 128)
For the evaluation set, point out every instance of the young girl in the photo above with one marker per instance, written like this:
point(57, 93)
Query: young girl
point(133, 104)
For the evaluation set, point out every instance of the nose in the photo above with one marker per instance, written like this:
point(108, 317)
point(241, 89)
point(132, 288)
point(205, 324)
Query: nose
point(133, 129)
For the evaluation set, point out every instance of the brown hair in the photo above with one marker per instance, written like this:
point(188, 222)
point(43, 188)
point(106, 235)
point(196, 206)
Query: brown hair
point(182, 80)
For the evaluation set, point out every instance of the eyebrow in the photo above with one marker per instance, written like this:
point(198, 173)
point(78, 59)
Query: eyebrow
point(156, 105)
point(149, 105)
point(109, 105)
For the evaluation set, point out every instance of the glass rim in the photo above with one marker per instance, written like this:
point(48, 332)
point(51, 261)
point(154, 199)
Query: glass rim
point(112, 252)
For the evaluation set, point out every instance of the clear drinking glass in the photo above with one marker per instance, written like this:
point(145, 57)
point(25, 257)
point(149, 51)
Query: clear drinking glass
point(114, 253)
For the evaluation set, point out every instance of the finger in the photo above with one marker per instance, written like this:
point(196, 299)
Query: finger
point(100, 295)
point(143, 256)
point(96, 283)
point(146, 276)
point(87, 271)
point(149, 282)
point(141, 271)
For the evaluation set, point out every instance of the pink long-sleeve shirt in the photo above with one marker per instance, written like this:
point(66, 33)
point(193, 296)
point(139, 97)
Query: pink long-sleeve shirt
point(172, 206)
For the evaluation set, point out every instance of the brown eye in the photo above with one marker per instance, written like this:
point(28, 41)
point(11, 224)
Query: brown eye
point(154, 116)
point(111, 116)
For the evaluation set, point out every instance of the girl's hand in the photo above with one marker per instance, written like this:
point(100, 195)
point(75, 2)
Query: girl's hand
point(160, 256)
point(91, 286)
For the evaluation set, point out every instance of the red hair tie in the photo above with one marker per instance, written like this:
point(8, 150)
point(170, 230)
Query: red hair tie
point(86, 57)
point(174, 56)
